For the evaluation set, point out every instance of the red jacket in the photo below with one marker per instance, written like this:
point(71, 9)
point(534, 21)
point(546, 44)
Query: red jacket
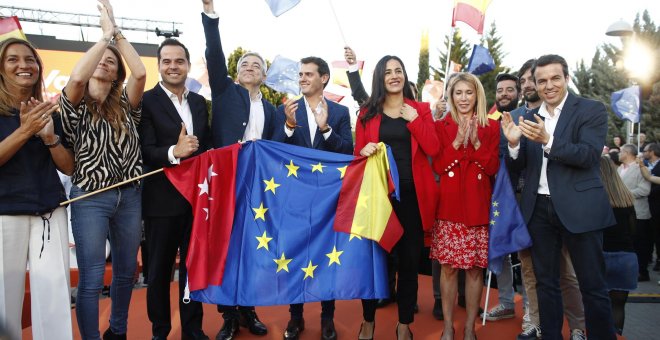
point(466, 174)
point(424, 143)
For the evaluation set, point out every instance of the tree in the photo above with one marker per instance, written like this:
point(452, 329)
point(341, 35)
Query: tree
point(269, 94)
point(424, 72)
point(494, 43)
point(459, 51)
point(606, 74)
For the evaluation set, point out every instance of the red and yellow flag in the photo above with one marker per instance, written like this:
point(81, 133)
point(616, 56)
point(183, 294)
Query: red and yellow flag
point(368, 182)
point(339, 68)
point(471, 12)
point(10, 27)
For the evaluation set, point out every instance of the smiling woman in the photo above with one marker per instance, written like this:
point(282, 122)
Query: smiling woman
point(30, 193)
point(100, 118)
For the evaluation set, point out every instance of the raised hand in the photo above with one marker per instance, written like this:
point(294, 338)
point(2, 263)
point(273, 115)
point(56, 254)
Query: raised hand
point(35, 116)
point(186, 145)
point(369, 149)
point(290, 108)
point(474, 133)
point(106, 21)
point(349, 55)
point(510, 129)
point(408, 112)
point(463, 125)
point(440, 108)
point(534, 131)
point(321, 114)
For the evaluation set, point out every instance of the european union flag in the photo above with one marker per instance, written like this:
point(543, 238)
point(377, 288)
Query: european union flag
point(508, 231)
point(626, 103)
point(283, 248)
point(278, 7)
point(480, 61)
point(283, 75)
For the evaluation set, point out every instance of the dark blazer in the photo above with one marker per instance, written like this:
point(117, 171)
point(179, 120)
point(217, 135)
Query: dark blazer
point(654, 196)
point(230, 106)
point(573, 169)
point(159, 129)
point(340, 140)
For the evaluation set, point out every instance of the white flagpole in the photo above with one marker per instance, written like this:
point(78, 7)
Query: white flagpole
point(451, 38)
point(483, 320)
point(337, 21)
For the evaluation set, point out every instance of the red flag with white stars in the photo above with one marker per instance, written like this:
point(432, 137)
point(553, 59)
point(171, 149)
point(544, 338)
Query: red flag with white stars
point(208, 182)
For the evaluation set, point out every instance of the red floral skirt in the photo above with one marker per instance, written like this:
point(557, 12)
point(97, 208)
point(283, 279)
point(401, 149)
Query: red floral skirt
point(460, 246)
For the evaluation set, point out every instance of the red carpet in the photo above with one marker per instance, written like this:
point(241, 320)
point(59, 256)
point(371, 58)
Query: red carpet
point(348, 315)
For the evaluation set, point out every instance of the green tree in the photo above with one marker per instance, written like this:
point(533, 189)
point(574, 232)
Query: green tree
point(269, 94)
point(494, 43)
point(606, 74)
point(459, 51)
point(424, 71)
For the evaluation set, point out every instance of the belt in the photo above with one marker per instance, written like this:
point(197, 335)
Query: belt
point(543, 196)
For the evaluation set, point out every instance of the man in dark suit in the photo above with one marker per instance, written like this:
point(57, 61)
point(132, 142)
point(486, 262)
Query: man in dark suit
point(174, 126)
point(558, 147)
point(239, 113)
point(314, 122)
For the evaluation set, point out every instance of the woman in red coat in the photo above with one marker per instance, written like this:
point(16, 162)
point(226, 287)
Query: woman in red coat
point(466, 162)
point(391, 115)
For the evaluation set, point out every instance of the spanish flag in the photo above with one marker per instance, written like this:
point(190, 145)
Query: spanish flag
point(10, 27)
point(494, 113)
point(471, 12)
point(368, 183)
point(339, 69)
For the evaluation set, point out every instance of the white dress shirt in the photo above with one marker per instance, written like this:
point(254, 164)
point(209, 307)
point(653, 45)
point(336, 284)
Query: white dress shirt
point(311, 121)
point(550, 125)
point(183, 109)
point(255, 125)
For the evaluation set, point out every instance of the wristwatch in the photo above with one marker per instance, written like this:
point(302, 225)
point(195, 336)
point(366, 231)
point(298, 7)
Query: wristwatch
point(118, 36)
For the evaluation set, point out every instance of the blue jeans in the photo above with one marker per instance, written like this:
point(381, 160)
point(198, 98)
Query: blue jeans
point(115, 214)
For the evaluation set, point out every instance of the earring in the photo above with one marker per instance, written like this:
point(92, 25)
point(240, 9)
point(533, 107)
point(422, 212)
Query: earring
point(114, 83)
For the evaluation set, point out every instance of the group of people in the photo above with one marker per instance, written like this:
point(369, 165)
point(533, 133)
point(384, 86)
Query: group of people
point(109, 130)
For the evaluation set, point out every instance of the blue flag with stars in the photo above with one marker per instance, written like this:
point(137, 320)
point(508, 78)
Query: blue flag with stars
point(283, 76)
point(626, 103)
point(508, 232)
point(283, 248)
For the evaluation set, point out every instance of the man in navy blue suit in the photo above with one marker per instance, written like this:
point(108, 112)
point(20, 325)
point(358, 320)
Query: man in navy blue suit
point(239, 113)
point(557, 147)
point(314, 122)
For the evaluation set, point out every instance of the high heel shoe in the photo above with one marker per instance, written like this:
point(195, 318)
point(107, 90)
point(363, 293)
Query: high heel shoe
point(396, 331)
point(373, 330)
point(453, 333)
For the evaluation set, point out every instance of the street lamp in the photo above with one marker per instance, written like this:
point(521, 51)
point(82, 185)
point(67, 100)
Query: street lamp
point(623, 30)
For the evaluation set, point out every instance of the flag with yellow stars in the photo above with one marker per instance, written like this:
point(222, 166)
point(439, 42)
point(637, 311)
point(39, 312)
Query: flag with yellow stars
point(508, 231)
point(283, 248)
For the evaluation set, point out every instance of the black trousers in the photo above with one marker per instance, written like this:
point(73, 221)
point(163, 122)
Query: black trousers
point(164, 236)
point(408, 251)
point(327, 310)
point(586, 250)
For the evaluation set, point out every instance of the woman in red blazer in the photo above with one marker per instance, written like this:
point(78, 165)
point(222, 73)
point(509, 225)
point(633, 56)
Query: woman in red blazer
point(391, 115)
point(466, 163)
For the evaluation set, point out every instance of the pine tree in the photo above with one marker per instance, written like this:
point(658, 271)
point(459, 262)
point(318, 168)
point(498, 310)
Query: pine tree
point(269, 94)
point(494, 44)
point(459, 51)
point(424, 72)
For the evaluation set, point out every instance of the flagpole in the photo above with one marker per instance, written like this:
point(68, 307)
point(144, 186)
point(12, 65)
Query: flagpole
point(111, 187)
point(448, 61)
point(483, 319)
point(337, 21)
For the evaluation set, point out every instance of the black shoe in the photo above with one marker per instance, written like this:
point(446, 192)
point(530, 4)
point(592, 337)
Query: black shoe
point(328, 331)
point(383, 302)
point(643, 277)
point(250, 320)
point(437, 310)
point(229, 330)
point(194, 335)
point(294, 328)
point(109, 335)
point(531, 333)
point(158, 337)
point(656, 267)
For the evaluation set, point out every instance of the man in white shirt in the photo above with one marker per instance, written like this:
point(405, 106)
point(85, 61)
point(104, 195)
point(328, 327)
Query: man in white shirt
point(557, 148)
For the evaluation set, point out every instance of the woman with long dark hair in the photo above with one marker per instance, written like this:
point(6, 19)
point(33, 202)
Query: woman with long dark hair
point(466, 163)
point(100, 118)
point(621, 269)
point(391, 115)
point(33, 227)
